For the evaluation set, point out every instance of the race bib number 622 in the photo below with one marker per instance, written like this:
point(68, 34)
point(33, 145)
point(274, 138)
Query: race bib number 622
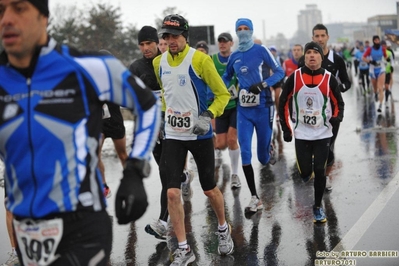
point(38, 240)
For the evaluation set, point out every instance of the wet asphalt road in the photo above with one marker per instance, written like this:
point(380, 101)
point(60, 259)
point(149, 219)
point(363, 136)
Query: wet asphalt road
point(361, 209)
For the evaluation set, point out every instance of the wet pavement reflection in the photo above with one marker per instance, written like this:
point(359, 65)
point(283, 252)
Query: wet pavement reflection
point(283, 233)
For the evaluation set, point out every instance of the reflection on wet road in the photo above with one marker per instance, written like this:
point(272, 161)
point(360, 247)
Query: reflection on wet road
point(361, 209)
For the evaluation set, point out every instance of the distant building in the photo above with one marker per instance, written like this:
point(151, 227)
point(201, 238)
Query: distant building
point(308, 18)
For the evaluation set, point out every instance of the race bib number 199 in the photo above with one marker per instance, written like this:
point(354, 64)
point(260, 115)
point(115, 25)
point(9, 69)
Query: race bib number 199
point(38, 240)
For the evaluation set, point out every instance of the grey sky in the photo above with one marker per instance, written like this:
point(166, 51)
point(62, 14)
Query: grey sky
point(278, 16)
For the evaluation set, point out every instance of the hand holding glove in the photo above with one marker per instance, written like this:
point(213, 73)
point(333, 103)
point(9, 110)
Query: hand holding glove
point(287, 136)
point(258, 87)
point(373, 62)
point(203, 124)
point(334, 121)
point(342, 87)
point(131, 198)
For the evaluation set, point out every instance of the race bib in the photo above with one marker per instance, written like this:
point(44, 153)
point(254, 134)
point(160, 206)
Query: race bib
point(248, 99)
point(178, 120)
point(311, 118)
point(38, 240)
point(363, 64)
point(233, 92)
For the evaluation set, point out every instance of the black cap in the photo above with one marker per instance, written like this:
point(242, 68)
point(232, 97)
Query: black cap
point(42, 6)
point(314, 46)
point(225, 36)
point(148, 33)
point(203, 45)
point(174, 24)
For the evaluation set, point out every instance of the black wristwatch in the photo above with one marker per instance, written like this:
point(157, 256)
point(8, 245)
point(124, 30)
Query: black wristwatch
point(140, 165)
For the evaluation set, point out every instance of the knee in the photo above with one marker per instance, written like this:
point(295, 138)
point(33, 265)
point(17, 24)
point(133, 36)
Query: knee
point(173, 195)
point(212, 192)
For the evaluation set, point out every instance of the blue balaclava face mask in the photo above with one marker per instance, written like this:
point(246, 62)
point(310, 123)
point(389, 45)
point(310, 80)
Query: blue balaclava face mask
point(245, 41)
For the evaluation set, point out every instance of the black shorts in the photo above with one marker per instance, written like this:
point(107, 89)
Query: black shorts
point(226, 120)
point(388, 78)
point(87, 237)
point(173, 159)
point(113, 129)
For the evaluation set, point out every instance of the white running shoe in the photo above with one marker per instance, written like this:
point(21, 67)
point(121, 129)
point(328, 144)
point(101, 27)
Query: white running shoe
point(186, 190)
point(254, 205)
point(12, 260)
point(235, 181)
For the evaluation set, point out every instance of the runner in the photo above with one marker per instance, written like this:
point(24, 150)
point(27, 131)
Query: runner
point(363, 70)
point(226, 124)
point(255, 108)
point(148, 44)
point(375, 56)
point(184, 78)
point(51, 137)
point(311, 99)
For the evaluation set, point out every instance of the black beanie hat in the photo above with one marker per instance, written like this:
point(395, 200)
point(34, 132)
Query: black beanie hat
point(314, 46)
point(41, 5)
point(376, 37)
point(148, 33)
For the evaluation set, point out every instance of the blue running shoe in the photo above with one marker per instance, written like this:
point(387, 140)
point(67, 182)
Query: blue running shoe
point(319, 215)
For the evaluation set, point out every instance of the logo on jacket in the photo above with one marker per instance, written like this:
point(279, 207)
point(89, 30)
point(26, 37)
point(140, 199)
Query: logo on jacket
point(244, 70)
point(182, 80)
point(10, 111)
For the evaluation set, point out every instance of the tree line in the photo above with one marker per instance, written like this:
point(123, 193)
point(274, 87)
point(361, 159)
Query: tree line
point(98, 28)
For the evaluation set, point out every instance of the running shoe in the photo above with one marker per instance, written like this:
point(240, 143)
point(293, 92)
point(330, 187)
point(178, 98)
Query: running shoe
point(379, 108)
point(254, 205)
point(272, 159)
point(156, 229)
point(107, 191)
point(182, 257)
point(226, 244)
point(319, 215)
point(328, 184)
point(235, 182)
point(186, 190)
point(12, 260)
point(218, 154)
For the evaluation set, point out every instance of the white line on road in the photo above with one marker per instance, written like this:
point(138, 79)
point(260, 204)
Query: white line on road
point(361, 226)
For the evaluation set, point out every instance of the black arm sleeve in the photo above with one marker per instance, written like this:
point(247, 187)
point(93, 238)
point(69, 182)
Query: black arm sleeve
point(285, 103)
point(336, 98)
point(342, 73)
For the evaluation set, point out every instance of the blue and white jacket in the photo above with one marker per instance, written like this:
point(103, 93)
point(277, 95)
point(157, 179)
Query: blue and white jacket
point(50, 125)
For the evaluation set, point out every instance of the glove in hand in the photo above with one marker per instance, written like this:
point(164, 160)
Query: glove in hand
point(131, 198)
point(258, 87)
point(342, 88)
point(203, 124)
point(334, 121)
point(287, 136)
point(373, 62)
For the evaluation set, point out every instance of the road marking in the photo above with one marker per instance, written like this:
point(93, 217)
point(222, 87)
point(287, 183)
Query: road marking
point(361, 226)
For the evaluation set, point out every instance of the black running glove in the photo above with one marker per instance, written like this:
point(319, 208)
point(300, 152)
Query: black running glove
point(373, 62)
point(131, 198)
point(258, 87)
point(287, 136)
point(203, 124)
point(334, 121)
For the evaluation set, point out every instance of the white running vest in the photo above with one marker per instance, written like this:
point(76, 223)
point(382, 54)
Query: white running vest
point(311, 108)
point(180, 98)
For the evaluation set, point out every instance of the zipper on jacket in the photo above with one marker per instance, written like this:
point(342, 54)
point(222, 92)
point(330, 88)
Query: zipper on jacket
point(29, 83)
